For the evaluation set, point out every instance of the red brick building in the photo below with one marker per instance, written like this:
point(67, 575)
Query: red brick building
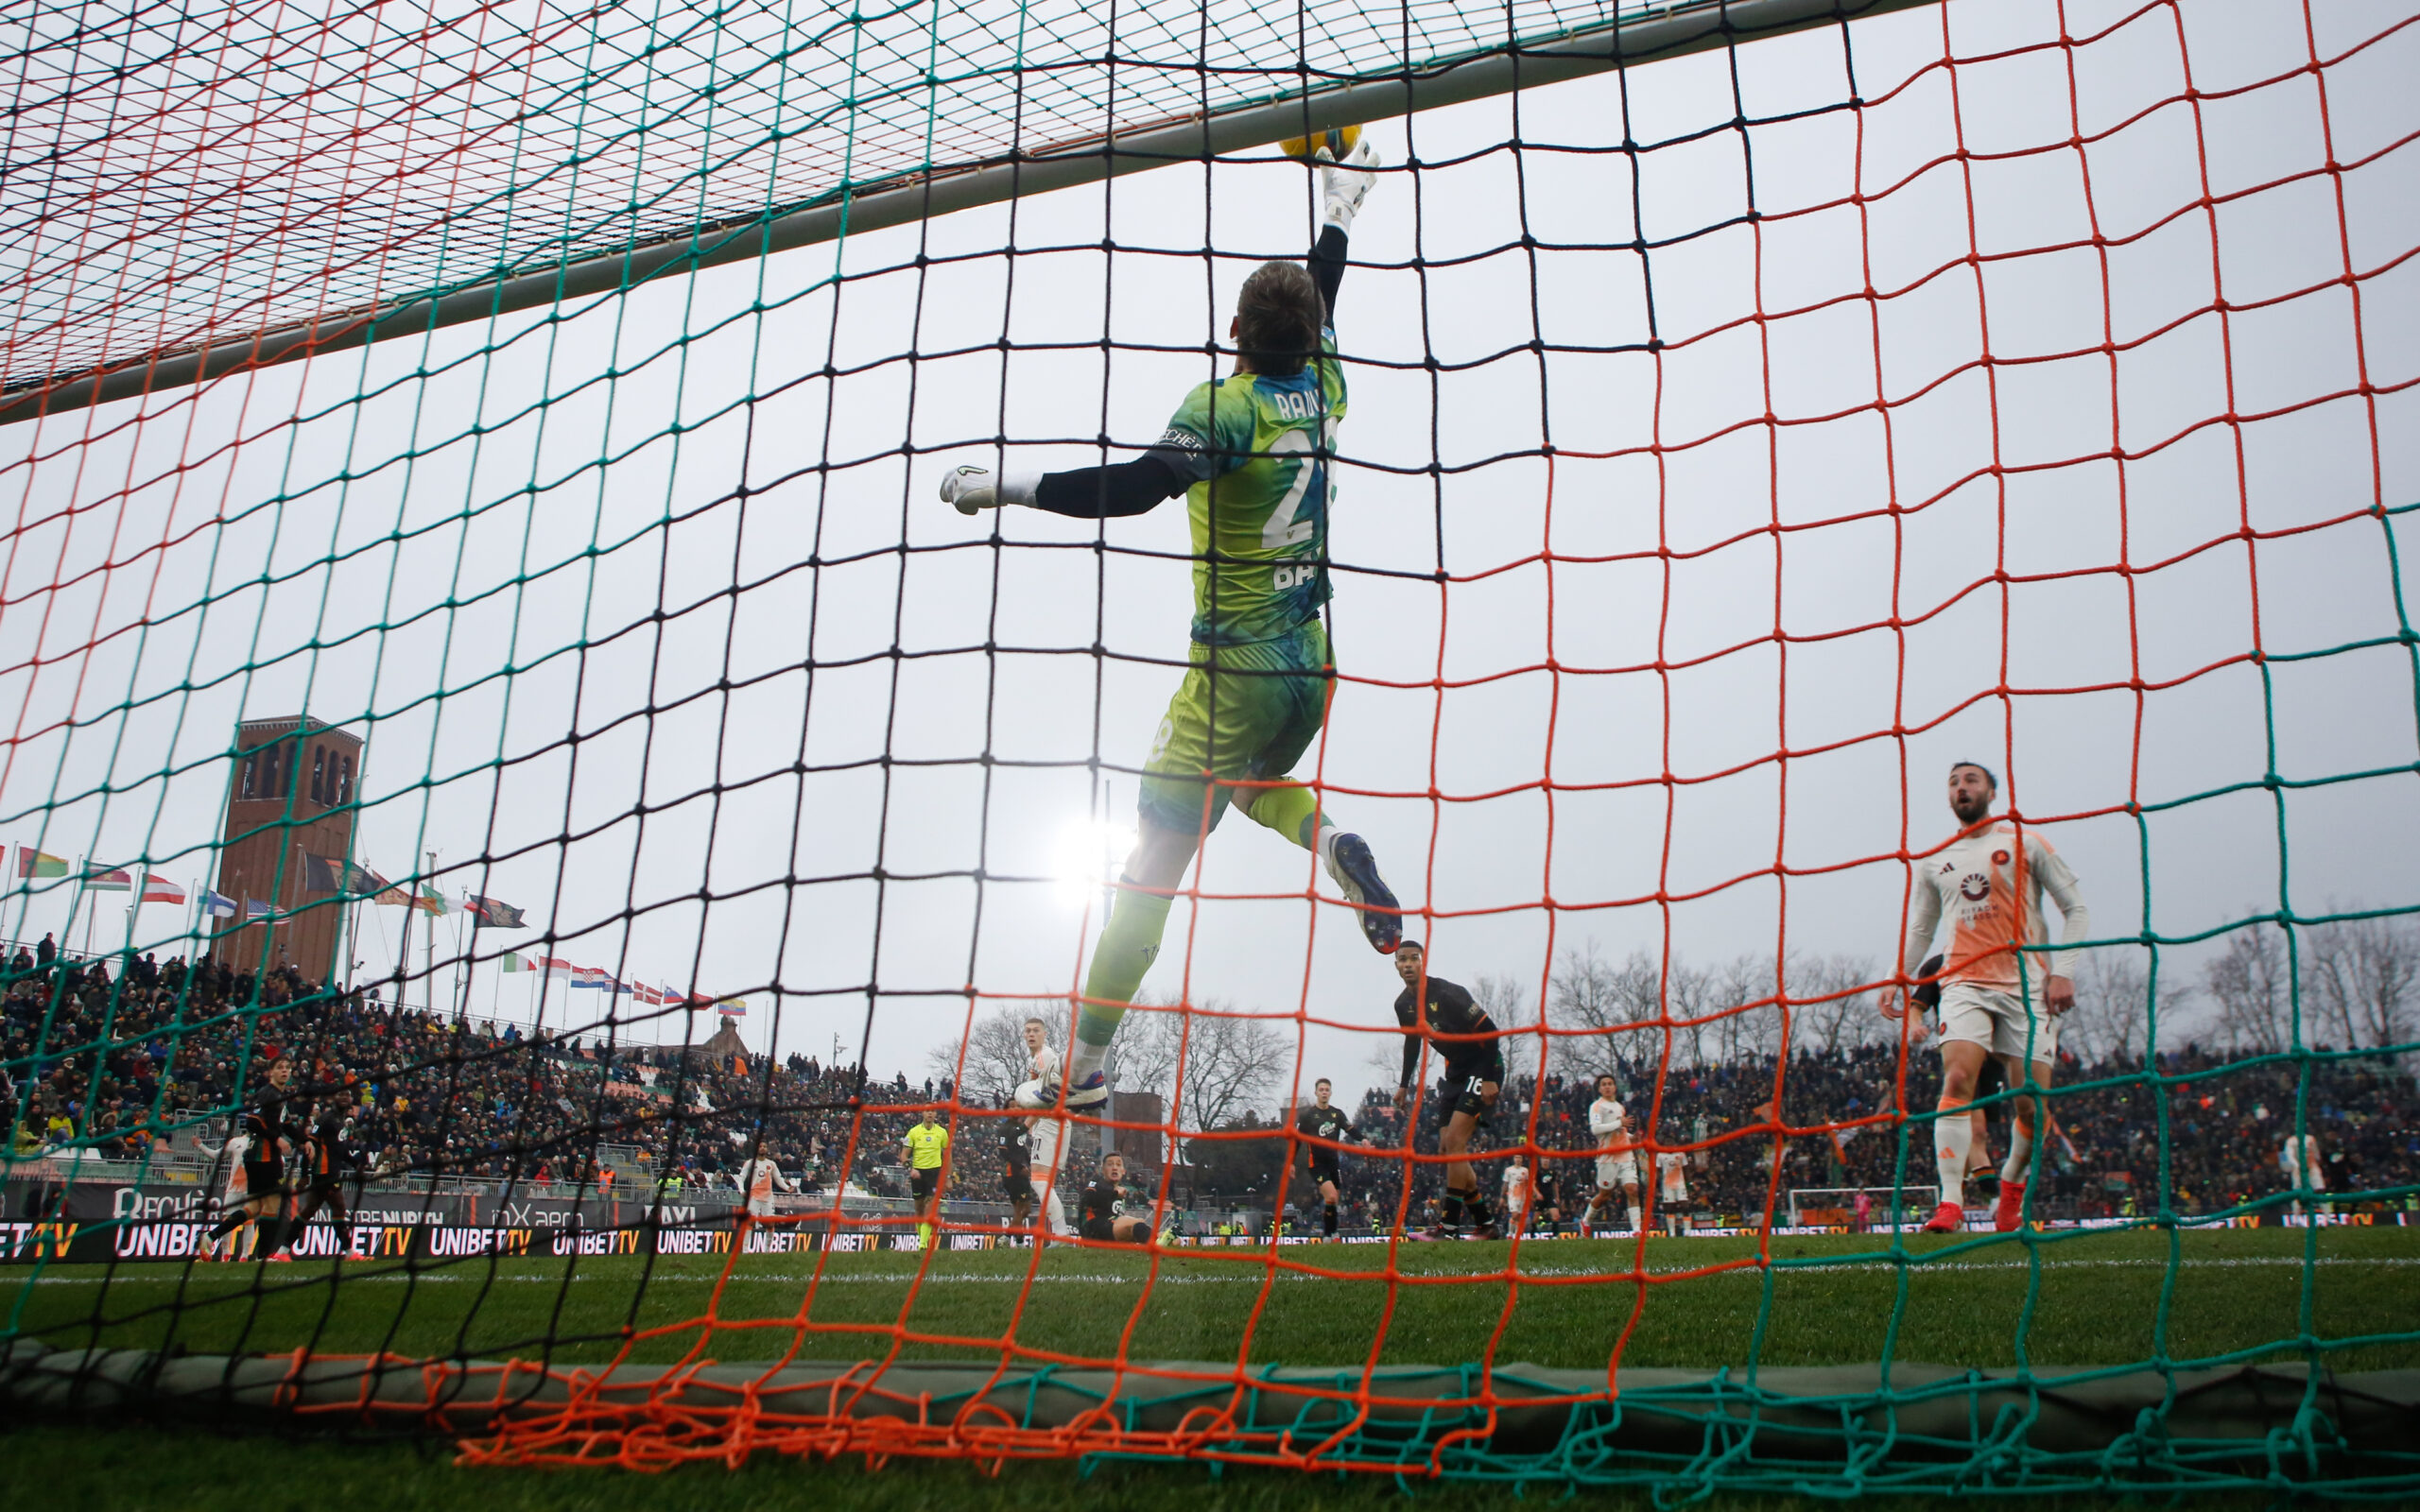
point(291, 795)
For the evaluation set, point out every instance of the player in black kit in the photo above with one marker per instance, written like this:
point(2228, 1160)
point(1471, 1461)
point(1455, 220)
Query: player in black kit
point(1105, 1204)
point(1321, 1121)
point(1466, 1037)
point(1016, 1167)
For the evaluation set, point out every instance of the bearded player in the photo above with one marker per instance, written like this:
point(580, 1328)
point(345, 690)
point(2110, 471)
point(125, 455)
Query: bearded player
point(1996, 1001)
point(1250, 453)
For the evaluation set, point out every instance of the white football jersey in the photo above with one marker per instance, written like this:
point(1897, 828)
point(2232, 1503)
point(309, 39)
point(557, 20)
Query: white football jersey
point(1604, 1119)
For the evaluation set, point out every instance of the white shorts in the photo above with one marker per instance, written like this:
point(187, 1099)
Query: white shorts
point(1616, 1171)
point(760, 1207)
point(2002, 1022)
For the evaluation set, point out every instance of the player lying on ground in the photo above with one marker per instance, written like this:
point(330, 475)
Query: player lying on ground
point(1324, 1121)
point(1429, 1008)
point(1618, 1155)
point(1994, 1001)
point(1105, 1219)
point(1250, 453)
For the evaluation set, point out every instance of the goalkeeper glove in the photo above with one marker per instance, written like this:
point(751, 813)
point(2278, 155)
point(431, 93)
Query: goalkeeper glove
point(975, 489)
point(1344, 185)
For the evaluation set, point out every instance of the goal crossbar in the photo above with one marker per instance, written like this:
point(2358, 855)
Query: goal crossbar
point(1654, 33)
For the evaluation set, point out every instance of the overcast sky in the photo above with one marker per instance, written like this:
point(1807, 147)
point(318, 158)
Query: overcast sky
point(1653, 703)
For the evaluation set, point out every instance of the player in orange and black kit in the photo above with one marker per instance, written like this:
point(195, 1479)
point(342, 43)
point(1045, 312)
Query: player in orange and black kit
point(1323, 1120)
point(325, 1159)
point(1432, 1007)
point(267, 1128)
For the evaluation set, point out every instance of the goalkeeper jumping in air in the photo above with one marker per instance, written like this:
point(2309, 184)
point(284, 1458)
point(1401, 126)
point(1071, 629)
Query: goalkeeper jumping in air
point(1250, 453)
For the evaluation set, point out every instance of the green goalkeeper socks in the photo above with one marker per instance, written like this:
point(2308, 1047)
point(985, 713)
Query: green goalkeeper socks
point(1292, 812)
point(1127, 947)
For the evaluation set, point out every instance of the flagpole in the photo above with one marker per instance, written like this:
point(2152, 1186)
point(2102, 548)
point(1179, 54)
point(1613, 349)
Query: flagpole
point(468, 956)
point(74, 900)
point(428, 955)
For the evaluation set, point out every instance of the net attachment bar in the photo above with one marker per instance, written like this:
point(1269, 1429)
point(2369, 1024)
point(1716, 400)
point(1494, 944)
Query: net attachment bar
point(1660, 32)
point(1516, 1422)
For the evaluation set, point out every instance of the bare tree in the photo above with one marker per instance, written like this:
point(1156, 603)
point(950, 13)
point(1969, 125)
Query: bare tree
point(1835, 1007)
point(1607, 1002)
point(2361, 983)
point(997, 1059)
point(2114, 1018)
point(1149, 1042)
point(1748, 1031)
point(2252, 986)
point(1230, 1064)
point(1506, 998)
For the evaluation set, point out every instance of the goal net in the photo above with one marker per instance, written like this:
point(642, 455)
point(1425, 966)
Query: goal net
point(699, 764)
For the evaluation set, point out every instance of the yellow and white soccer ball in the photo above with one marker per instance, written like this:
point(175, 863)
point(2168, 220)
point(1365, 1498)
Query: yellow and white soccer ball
point(1337, 142)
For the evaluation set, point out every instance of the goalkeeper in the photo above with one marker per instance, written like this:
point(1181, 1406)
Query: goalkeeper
point(1250, 451)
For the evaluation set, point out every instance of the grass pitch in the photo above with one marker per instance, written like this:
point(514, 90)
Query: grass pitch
point(2050, 1300)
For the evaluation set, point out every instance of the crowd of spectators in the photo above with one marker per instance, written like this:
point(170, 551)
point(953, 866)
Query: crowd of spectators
point(121, 1058)
point(2227, 1119)
point(121, 1055)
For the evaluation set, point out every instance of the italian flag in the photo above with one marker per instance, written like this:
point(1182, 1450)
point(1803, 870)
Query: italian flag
point(511, 963)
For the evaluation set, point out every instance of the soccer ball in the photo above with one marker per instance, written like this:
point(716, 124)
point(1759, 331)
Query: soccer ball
point(1037, 1093)
point(1337, 142)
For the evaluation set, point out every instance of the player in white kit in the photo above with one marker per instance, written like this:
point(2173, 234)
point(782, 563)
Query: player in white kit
point(1039, 1093)
point(1516, 1196)
point(1616, 1156)
point(233, 1195)
point(2299, 1158)
point(759, 1179)
point(1997, 1001)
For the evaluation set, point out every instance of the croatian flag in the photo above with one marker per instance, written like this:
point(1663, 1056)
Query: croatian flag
point(591, 976)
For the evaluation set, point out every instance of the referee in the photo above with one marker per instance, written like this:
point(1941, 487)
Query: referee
point(927, 1146)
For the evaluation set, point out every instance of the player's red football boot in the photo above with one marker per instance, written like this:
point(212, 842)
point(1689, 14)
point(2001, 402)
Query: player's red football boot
point(1949, 1218)
point(2009, 1211)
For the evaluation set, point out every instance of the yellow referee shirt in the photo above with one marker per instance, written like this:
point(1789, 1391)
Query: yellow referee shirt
point(925, 1142)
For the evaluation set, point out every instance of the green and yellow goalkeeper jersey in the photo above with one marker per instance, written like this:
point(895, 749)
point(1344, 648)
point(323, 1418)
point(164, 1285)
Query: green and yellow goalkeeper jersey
point(1258, 452)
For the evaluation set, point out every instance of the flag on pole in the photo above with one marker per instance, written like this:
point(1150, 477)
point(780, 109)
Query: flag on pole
point(556, 968)
point(491, 913)
point(509, 962)
point(732, 1007)
point(336, 874)
point(33, 863)
point(99, 880)
point(592, 976)
point(159, 889)
point(427, 901)
point(217, 906)
point(254, 908)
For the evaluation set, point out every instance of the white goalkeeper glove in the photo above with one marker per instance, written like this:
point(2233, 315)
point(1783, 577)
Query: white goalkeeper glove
point(977, 489)
point(1344, 185)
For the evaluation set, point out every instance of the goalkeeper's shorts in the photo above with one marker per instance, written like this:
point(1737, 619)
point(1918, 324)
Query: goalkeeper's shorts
point(1243, 713)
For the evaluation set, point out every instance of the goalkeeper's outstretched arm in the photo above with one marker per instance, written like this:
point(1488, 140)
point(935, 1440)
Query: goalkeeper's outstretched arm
point(1121, 489)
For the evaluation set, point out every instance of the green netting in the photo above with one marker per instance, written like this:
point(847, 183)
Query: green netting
point(578, 744)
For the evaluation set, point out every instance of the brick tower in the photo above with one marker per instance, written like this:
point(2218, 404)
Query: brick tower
point(291, 795)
